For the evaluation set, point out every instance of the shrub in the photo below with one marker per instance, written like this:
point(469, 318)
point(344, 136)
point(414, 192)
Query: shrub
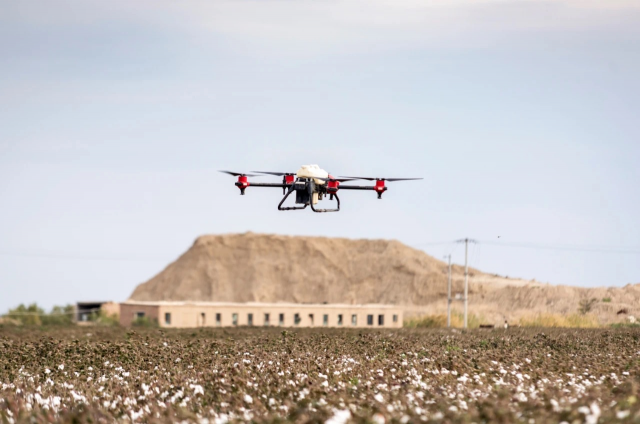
point(440, 321)
point(586, 305)
point(59, 315)
point(606, 300)
point(144, 322)
point(104, 319)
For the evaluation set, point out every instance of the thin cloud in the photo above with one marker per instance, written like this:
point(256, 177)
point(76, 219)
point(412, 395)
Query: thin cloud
point(342, 26)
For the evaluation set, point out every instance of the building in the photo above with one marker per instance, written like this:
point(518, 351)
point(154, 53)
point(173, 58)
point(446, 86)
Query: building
point(220, 314)
point(86, 311)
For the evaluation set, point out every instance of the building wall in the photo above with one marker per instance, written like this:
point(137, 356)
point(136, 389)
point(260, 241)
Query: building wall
point(128, 312)
point(187, 315)
point(110, 308)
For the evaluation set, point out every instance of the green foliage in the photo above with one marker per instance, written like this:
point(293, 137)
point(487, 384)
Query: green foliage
point(626, 325)
point(27, 315)
point(35, 315)
point(59, 315)
point(586, 305)
point(606, 300)
point(103, 319)
point(144, 322)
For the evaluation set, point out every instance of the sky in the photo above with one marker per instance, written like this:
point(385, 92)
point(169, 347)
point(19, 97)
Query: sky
point(521, 116)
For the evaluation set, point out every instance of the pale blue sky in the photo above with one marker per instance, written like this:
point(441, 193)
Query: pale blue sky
point(522, 116)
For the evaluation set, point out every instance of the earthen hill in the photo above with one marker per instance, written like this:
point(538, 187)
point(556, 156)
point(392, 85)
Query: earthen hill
point(273, 268)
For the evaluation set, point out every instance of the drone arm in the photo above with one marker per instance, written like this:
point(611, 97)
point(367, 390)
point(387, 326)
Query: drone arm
point(269, 185)
point(379, 189)
point(347, 187)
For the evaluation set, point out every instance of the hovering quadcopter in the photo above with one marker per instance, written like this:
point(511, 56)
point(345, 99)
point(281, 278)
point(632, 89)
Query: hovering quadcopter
point(311, 184)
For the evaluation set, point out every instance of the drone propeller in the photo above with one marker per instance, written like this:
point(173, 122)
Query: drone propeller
point(240, 174)
point(340, 180)
point(287, 177)
point(277, 174)
point(383, 179)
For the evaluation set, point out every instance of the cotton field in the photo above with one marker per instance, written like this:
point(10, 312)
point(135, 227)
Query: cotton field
point(264, 375)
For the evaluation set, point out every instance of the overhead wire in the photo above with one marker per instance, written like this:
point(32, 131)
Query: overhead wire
point(568, 248)
point(48, 313)
point(53, 255)
point(527, 245)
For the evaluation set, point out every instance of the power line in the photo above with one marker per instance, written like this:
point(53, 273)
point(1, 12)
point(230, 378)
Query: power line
point(568, 248)
point(52, 255)
point(434, 243)
point(45, 314)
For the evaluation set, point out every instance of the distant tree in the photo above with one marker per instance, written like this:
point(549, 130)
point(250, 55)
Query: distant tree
point(586, 305)
point(59, 315)
point(27, 315)
point(35, 315)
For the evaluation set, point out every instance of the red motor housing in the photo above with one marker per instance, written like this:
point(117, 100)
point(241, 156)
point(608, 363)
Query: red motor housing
point(380, 188)
point(289, 179)
point(242, 183)
point(332, 186)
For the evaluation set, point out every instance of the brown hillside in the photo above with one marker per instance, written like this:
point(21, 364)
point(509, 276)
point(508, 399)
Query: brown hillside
point(273, 268)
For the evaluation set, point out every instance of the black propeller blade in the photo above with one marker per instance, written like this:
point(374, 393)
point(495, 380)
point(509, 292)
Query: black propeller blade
point(240, 174)
point(340, 180)
point(278, 174)
point(383, 179)
point(284, 176)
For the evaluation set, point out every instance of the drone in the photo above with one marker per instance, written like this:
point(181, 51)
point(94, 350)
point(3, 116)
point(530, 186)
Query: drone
point(311, 184)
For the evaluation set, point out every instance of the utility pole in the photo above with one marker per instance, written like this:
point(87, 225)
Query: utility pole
point(466, 278)
point(449, 295)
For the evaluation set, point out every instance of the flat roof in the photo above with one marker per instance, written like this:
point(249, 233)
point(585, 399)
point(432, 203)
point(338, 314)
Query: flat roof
point(260, 304)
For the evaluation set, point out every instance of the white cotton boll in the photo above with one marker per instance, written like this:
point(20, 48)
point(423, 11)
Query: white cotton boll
point(339, 417)
point(378, 418)
point(47, 371)
point(248, 399)
point(621, 415)
point(325, 383)
point(379, 398)
point(61, 367)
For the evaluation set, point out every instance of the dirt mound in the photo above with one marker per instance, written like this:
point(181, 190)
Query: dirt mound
point(273, 268)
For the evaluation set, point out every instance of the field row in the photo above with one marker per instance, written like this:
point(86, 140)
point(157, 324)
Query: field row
point(518, 375)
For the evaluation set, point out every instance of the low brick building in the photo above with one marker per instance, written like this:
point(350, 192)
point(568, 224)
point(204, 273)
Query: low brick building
point(220, 314)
